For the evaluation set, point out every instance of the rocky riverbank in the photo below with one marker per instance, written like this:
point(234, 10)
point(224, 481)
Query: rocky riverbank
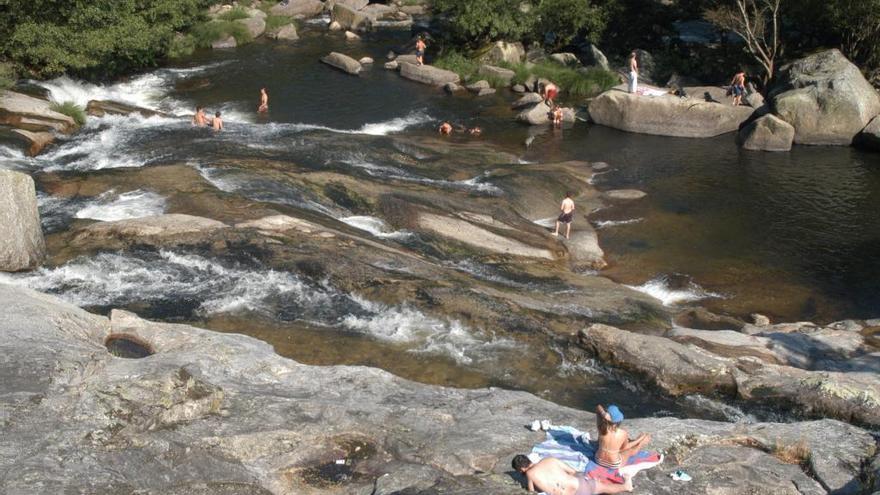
point(212, 413)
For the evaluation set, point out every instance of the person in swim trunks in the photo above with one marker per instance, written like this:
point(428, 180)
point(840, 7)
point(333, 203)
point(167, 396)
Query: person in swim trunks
point(554, 477)
point(420, 49)
point(549, 91)
point(567, 214)
point(738, 87)
point(264, 101)
point(615, 447)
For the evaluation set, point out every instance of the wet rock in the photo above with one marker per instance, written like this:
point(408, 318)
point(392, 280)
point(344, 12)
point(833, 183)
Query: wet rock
point(499, 73)
point(228, 42)
point(162, 230)
point(760, 320)
point(302, 8)
point(676, 368)
point(407, 59)
point(414, 10)
point(366, 61)
point(527, 99)
point(478, 237)
point(334, 26)
point(256, 25)
point(392, 65)
point(21, 237)
point(825, 98)
point(286, 33)
point(32, 114)
point(351, 36)
point(349, 18)
point(477, 86)
point(427, 74)
point(702, 319)
point(343, 62)
point(768, 133)
point(869, 138)
point(566, 59)
point(584, 249)
point(486, 92)
point(537, 114)
point(728, 343)
point(599, 166)
point(666, 115)
point(100, 108)
point(518, 88)
point(624, 194)
point(503, 51)
point(452, 88)
point(34, 141)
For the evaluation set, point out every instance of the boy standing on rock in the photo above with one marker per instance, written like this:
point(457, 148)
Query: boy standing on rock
point(420, 49)
point(567, 214)
point(633, 73)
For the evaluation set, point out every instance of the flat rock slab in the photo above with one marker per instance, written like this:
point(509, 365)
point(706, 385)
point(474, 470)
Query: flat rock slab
point(239, 419)
point(427, 74)
point(34, 141)
point(666, 115)
point(343, 62)
point(161, 230)
point(32, 114)
point(100, 108)
point(584, 249)
point(349, 18)
point(22, 246)
point(472, 235)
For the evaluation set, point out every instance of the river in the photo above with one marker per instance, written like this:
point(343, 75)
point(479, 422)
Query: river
point(792, 235)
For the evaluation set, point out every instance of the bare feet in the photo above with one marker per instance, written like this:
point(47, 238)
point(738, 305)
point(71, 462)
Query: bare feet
point(556, 233)
point(628, 482)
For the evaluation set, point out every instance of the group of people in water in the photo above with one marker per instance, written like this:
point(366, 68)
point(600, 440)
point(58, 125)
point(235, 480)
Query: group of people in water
point(614, 448)
point(201, 120)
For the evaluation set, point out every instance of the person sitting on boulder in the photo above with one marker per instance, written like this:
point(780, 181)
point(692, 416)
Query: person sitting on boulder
point(615, 446)
point(567, 214)
point(549, 92)
point(420, 49)
point(738, 87)
point(217, 122)
point(555, 477)
point(445, 128)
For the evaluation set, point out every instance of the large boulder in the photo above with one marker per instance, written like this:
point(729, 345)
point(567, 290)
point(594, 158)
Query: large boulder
point(301, 8)
point(255, 26)
point(160, 231)
point(225, 43)
point(502, 51)
point(825, 97)
point(768, 133)
point(566, 59)
point(539, 114)
point(592, 56)
point(32, 114)
point(349, 18)
point(869, 138)
point(286, 32)
point(354, 4)
point(343, 62)
point(21, 237)
point(666, 115)
point(500, 73)
point(527, 100)
point(34, 141)
point(478, 237)
point(427, 74)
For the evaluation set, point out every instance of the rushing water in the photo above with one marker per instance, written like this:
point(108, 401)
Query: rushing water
point(791, 234)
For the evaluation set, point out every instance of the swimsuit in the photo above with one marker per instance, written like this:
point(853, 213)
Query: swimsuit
point(604, 463)
point(566, 217)
point(585, 486)
point(739, 90)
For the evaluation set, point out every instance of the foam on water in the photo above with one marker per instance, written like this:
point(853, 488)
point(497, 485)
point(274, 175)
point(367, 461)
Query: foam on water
point(545, 222)
point(398, 124)
point(375, 226)
point(660, 288)
point(261, 189)
point(110, 206)
point(718, 410)
point(475, 184)
point(14, 159)
point(603, 224)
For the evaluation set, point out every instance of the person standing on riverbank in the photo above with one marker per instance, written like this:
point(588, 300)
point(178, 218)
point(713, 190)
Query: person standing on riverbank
point(264, 101)
point(420, 49)
point(633, 73)
point(567, 214)
point(738, 87)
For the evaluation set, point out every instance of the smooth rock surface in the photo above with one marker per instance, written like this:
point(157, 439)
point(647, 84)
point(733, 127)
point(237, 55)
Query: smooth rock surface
point(287, 32)
point(351, 36)
point(502, 51)
point(526, 100)
point(32, 114)
point(591, 55)
point(666, 115)
point(825, 98)
point(768, 133)
point(161, 230)
point(349, 18)
point(624, 194)
point(566, 59)
point(100, 108)
point(235, 418)
point(479, 237)
point(343, 62)
point(22, 246)
point(256, 25)
point(537, 114)
point(500, 73)
point(427, 74)
point(34, 141)
point(228, 42)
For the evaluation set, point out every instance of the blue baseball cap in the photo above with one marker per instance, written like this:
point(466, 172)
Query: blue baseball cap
point(615, 414)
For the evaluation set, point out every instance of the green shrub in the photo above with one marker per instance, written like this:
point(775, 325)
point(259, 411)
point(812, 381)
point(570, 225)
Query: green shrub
point(274, 22)
point(206, 33)
point(465, 67)
point(235, 14)
point(472, 22)
point(7, 76)
point(578, 82)
point(181, 46)
point(72, 110)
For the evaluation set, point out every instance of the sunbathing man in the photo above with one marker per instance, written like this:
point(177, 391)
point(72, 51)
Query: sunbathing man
point(555, 477)
point(199, 118)
point(264, 101)
point(615, 447)
point(445, 128)
point(217, 122)
point(567, 214)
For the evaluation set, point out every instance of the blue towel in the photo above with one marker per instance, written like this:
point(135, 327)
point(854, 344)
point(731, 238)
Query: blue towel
point(567, 444)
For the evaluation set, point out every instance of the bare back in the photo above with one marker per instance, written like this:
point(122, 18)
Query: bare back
point(610, 445)
point(567, 205)
point(553, 477)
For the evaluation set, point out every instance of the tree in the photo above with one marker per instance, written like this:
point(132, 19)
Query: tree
point(567, 19)
point(486, 20)
point(757, 23)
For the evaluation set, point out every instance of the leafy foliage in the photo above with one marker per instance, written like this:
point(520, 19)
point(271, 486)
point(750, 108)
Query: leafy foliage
point(233, 15)
point(563, 20)
point(72, 110)
point(274, 22)
point(465, 67)
point(473, 22)
point(96, 38)
point(7, 76)
point(209, 32)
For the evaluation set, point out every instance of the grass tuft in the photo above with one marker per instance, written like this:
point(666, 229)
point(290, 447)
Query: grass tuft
point(72, 110)
point(206, 33)
point(235, 14)
point(274, 22)
point(796, 453)
point(579, 82)
point(465, 67)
